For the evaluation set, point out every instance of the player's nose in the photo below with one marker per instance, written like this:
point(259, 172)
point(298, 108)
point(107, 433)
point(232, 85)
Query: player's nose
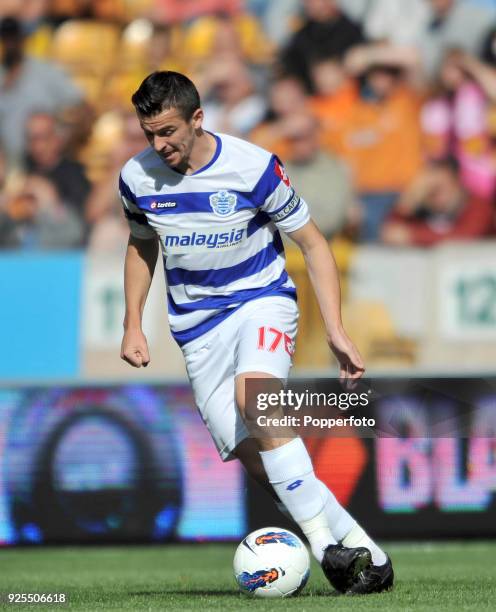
point(160, 143)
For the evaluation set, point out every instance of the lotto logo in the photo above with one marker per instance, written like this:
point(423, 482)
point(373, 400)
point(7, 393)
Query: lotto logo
point(155, 205)
point(270, 338)
point(294, 485)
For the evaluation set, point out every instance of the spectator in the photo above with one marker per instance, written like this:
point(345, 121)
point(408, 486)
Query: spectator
point(455, 122)
point(400, 23)
point(482, 70)
point(436, 208)
point(336, 96)
point(452, 24)
point(322, 179)
point(23, 9)
point(287, 96)
point(27, 84)
point(381, 138)
point(232, 104)
point(34, 217)
point(32, 14)
point(46, 157)
point(325, 32)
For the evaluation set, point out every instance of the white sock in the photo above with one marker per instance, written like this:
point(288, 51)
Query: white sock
point(357, 537)
point(290, 471)
point(316, 531)
point(340, 522)
point(318, 534)
point(343, 527)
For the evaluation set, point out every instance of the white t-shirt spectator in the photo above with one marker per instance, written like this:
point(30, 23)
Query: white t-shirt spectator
point(40, 86)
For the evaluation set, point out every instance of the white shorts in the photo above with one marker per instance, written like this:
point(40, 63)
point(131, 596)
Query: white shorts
point(258, 337)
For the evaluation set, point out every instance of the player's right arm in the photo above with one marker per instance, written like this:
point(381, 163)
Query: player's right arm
point(141, 257)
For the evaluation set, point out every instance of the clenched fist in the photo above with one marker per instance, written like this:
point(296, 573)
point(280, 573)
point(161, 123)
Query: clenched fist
point(134, 348)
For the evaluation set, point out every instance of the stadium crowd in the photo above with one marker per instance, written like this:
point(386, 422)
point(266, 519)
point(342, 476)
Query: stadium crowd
point(383, 111)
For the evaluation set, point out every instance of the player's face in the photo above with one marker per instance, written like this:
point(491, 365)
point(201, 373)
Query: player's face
point(172, 136)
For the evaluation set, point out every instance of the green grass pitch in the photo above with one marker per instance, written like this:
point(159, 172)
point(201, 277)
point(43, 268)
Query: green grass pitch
point(451, 576)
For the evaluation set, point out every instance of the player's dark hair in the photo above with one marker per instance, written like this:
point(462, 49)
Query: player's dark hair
point(166, 89)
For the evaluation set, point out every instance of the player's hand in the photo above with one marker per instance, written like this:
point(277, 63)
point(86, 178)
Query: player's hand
point(351, 366)
point(134, 348)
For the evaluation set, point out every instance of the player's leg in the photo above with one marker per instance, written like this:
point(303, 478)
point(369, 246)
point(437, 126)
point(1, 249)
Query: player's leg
point(287, 467)
point(210, 367)
point(247, 453)
point(343, 527)
point(374, 578)
point(263, 355)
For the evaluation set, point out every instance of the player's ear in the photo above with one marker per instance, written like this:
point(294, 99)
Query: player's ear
point(197, 118)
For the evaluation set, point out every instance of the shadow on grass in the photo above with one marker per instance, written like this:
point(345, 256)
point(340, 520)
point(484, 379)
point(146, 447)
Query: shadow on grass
point(220, 593)
point(215, 593)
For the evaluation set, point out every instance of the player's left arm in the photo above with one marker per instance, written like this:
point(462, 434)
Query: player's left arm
point(324, 277)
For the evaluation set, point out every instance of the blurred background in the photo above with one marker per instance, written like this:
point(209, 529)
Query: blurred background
point(384, 113)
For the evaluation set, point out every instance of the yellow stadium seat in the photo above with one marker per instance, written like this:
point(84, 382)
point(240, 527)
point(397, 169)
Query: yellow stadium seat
point(38, 43)
point(256, 46)
point(200, 38)
point(371, 328)
point(119, 88)
point(86, 46)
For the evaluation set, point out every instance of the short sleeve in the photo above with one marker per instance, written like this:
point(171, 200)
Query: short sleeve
point(136, 218)
point(283, 205)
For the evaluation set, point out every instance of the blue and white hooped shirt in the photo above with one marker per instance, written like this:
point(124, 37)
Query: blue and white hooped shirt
point(218, 229)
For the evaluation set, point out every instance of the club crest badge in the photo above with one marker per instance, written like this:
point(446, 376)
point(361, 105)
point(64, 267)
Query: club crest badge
point(223, 203)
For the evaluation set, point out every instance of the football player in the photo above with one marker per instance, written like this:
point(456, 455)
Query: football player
point(215, 205)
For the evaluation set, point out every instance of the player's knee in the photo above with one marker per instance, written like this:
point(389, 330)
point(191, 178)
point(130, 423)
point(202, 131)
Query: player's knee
point(250, 388)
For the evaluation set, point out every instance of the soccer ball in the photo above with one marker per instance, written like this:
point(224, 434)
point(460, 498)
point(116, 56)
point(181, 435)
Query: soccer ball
point(271, 562)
